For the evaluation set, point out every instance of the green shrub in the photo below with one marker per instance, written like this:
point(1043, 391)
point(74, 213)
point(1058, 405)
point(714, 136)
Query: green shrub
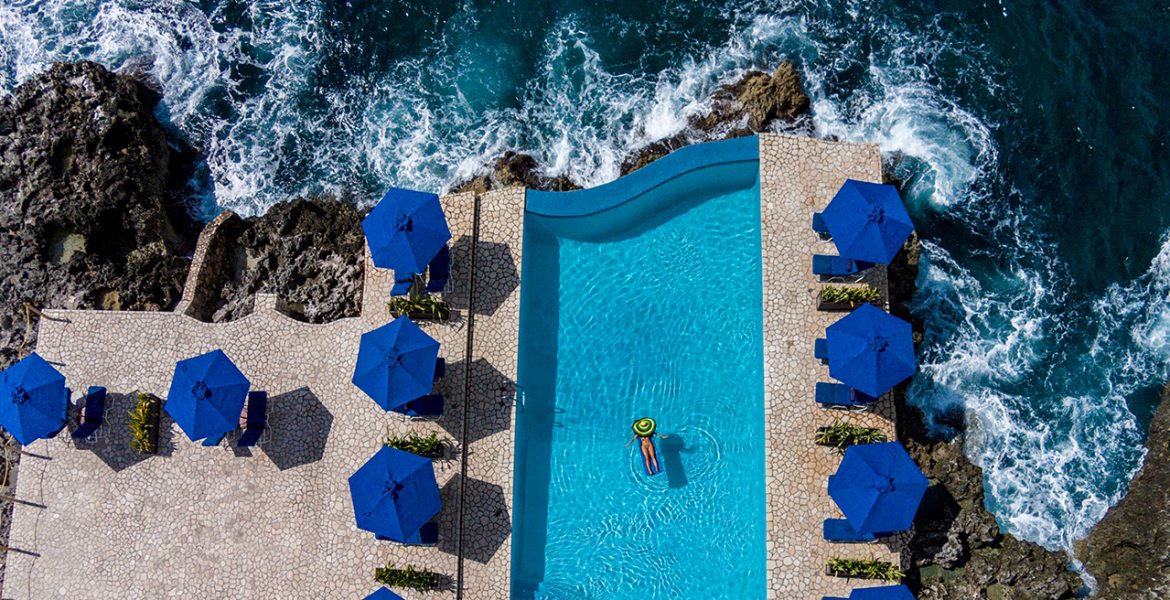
point(843, 435)
point(423, 445)
point(419, 303)
point(144, 424)
point(855, 295)
point(417, 579)
point(864, 569)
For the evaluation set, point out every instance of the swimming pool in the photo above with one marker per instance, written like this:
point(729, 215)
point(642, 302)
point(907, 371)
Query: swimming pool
point(643, 297)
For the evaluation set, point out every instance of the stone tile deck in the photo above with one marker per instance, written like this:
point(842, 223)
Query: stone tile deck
point(210, 523)
point(206, 522)
point(799, 176)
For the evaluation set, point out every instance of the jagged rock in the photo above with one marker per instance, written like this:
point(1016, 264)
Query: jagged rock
point(755, 101)
point(1128, 552)
point(92, 198)
point(516, 168)
point(476, 185)
point(310, 253)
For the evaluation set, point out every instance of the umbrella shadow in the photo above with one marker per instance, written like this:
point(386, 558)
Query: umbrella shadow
point(487, 521)
point(298, 428)
point(112, 445)
point(491, 396)
point(499, 275)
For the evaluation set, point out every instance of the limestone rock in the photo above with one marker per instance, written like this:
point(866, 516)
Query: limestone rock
point(92, 199)
point(310, 253)
point(1129, 550)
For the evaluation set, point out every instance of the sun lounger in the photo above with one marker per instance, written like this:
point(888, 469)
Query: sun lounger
point(818, 225)
point(256, 420)
point(821, 349)
point(839, 395)
point(427, 535)
point(402, 283)
point(427, 407)
point(439, 271)
point(839, 530)
point(92, 413)
point(829, 265)
point(440, 369)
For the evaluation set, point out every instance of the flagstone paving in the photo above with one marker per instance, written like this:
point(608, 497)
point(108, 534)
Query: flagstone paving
point(798, 176)
point(276, 521)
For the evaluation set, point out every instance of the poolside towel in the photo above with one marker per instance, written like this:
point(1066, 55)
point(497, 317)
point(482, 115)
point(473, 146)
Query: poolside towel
point(256, 419)
point(92, 413)
point(839, 395)
point(439, 271)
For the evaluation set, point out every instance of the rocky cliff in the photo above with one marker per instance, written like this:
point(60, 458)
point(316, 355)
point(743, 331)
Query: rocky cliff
point(310, 253)
point(1128, 552)
point(91, 199)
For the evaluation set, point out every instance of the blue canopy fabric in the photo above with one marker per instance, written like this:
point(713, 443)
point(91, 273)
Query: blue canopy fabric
point(868, 221)
point(33, 399)
point(207, 395)
point(396, 363)
point(383, 594)
point(394, 494)
point(878, 487)
point(406, 230)
point(888, 592)
point(870, 350)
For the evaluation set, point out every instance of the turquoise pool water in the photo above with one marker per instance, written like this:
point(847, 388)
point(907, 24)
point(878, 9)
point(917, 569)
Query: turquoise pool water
point(650, 307)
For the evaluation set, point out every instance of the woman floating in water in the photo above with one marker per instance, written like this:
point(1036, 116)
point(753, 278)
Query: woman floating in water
point(644, 429)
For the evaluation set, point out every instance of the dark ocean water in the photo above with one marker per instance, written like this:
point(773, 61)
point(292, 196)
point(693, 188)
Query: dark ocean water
point(1032, 140)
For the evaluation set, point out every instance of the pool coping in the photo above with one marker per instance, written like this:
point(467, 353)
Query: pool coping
point(579, 203)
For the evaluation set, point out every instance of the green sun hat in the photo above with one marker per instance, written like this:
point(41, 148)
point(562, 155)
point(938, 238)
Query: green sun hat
point(645, 426)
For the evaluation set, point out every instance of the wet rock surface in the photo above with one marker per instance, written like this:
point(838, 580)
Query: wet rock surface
point(1128, 552)
point(92, 190)
point(308, 252)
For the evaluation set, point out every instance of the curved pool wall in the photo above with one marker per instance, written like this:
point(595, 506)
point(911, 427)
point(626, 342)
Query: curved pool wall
point(643, 297)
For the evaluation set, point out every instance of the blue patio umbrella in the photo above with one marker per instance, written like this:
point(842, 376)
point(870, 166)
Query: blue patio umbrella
point(396, 363)
point(887, 592)
point(383, 594)
point(878, 487)
point(207, 395)
point(394, 494)
point(32, 399)
point(868, 221)
point(870, 350)
point(406, 230)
